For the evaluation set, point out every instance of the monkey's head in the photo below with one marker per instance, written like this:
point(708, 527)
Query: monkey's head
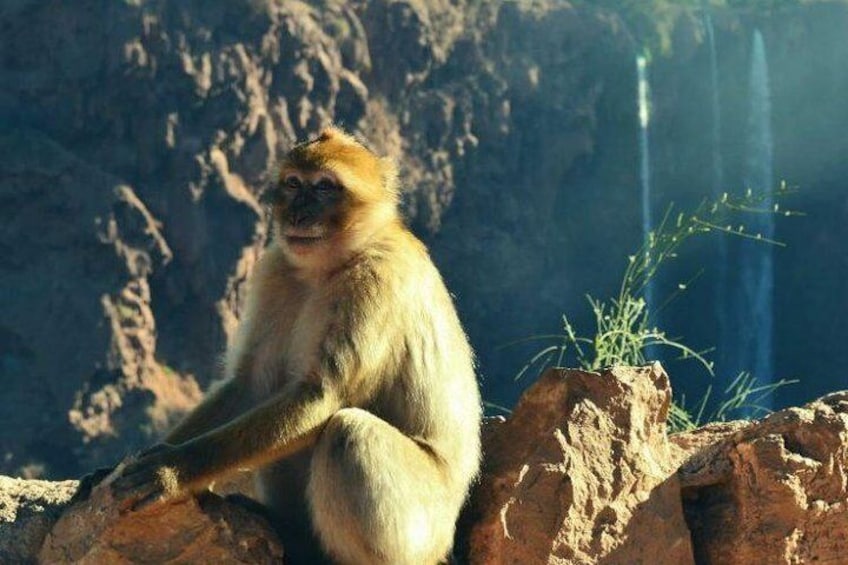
point(331, 197)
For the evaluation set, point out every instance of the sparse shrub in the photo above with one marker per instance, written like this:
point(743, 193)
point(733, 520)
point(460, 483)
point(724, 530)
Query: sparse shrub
point(624, 330)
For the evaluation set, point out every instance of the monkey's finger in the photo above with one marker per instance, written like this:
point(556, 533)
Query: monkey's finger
point(153, 498)
point(143, 464)
point(131, 480)
point(137, 489)
point(95, 477)
point(89, 481)
point(154, 450)
point(129, 498)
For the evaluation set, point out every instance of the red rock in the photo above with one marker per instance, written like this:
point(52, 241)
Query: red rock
point(773, 491)
point(582, 472)
point(207, 529)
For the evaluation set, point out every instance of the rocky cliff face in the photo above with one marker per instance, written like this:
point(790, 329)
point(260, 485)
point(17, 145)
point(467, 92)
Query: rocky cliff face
point(136, 135)
point(136, 150)
point(583, 471)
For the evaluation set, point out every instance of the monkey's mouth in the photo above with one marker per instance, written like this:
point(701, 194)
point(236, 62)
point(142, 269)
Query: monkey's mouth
point(303, 240)
point(305, 237)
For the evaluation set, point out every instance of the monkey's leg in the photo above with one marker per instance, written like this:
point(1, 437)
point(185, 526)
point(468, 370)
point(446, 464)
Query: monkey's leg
point(378, 497)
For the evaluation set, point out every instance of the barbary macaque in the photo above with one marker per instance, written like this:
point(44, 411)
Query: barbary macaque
point(350, 386)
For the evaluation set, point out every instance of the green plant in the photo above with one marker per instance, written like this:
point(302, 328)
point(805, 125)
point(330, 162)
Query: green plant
point(623, 329)
point(743, 394)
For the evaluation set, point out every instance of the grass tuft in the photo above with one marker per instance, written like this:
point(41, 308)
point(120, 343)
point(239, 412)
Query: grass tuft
point(624, 333)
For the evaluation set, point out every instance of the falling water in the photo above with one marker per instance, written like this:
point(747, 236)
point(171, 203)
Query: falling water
point(718, 166)
point(756, 263)
point(645, 166)
point(726, 339)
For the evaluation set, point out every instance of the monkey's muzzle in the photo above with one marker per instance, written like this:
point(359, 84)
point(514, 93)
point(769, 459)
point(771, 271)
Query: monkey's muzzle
point(305, 235)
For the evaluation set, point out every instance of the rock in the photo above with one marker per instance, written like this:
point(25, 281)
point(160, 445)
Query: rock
point(582, 472)
point(206, 529)
point(28, 509)
point(40, 521)
point(772, 491)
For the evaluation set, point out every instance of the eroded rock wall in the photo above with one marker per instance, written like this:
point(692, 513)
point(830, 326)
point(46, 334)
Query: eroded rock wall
point(137, 136)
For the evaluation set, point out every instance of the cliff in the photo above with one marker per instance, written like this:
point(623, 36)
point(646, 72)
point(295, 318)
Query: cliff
point(135, 150)
point(136, 135)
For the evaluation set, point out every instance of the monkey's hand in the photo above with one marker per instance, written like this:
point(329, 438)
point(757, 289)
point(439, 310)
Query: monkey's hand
point(89, 481)
point(158, 474)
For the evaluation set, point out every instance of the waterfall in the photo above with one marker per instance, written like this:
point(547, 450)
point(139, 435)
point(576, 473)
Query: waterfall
point(756, 269)
point(726, 340)
point(645, 168)
point(718, 165)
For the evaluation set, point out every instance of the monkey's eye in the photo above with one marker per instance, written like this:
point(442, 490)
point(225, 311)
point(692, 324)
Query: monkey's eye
point(292, 182)
point(326, 185)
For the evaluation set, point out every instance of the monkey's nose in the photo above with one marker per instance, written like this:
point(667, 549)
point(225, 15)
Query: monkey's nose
point(304, 210)
point(301, 219)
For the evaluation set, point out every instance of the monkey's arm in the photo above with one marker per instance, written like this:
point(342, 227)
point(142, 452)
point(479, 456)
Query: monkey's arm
point(223, 401)
point(221, 404)
point(347, 371)
point(279, 427)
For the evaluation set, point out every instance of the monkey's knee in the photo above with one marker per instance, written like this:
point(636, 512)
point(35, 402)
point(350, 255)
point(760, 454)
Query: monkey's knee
point(347, 450)
point(374, 494)
point(360, 447)
point(342, 434)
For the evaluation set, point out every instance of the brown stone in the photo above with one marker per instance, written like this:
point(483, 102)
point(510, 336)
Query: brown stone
point(207, 529)
point(582, 472)
point(28, 509)
point(773, 491)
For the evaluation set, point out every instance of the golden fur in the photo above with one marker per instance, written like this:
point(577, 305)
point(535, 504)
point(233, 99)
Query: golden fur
point(350, 383)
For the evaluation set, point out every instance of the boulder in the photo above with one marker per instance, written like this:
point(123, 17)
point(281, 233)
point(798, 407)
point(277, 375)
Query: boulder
point(582, 472)
point(771, 491)
point(204, 529)
point(28, 509)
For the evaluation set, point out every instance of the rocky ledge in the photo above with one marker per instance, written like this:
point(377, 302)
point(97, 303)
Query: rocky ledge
point(583, 471)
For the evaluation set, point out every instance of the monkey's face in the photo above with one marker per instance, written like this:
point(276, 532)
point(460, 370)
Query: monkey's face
point(308, 210)
point(332, 195)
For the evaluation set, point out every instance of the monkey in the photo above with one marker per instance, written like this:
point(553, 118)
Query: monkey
point(350, 385)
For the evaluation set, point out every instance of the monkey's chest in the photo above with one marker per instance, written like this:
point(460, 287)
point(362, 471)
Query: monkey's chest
point(289, 348)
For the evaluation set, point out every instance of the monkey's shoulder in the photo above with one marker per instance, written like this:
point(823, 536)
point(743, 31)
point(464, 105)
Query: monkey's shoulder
point(392, 269)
